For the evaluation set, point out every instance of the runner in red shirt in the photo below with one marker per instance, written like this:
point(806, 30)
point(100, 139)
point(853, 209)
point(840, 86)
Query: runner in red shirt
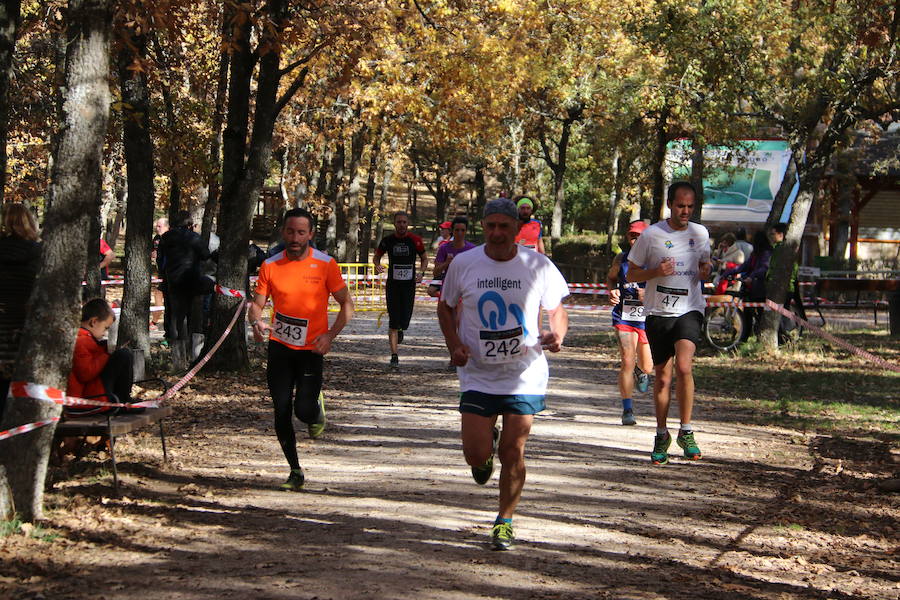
point(299, 280)
point(530, 230)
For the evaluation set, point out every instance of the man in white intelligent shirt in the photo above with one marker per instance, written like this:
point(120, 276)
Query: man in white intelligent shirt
point(672, 256)
point(495, 292)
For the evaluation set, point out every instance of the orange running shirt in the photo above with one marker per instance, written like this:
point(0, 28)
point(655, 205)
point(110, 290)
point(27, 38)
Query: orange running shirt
point(299, 290)
point(529, 234)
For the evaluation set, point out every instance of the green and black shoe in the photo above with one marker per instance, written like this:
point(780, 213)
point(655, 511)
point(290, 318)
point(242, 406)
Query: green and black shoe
point(502, 536)
point(294, 481)
point(660, 454)
point(316, 429)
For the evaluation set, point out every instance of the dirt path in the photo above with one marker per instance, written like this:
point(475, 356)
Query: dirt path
point(390, 510)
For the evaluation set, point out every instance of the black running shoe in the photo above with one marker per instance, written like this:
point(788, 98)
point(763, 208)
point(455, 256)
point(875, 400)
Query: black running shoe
point(482, 474)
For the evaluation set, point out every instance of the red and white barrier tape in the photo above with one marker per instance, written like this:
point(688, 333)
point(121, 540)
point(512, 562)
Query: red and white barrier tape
point(26, 428)
point(834, 340)
point(230, 292)
point(24, 389)
point(190, 374)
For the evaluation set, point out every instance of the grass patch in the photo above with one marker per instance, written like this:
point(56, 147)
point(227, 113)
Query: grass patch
point(18, 527)
point(810, 385)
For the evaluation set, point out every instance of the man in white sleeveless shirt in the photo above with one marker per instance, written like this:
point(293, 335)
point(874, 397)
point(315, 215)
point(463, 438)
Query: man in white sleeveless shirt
point(672, 256)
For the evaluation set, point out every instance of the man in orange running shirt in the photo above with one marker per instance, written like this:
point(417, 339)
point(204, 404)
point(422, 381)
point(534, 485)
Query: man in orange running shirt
point(299, 280)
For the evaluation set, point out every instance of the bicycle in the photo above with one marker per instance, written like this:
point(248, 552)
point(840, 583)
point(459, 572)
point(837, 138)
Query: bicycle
point(723, 325)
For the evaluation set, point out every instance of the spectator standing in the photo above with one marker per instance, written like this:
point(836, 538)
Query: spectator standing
point(752, 274)
point(740, 236)
point(159, 292)
point(183, 252)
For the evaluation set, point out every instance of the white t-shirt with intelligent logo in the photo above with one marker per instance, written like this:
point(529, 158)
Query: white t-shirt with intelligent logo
point(681, 292)
point(500, 302)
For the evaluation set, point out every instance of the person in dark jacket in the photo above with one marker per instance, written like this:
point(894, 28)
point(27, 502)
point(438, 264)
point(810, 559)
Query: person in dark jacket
point(753, 277)
point(20, 255)
point(181, 252)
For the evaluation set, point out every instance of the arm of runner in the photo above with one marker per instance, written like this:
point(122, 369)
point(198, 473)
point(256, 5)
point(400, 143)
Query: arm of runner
point(459, 352)
point(540, 245)
point(559, 325)
point(108, 257)
point(376, 258)
point(636, 274)
point(423, 261)
point(254, 312)
point(703, 270)
point(612, 279)
point(323, 342)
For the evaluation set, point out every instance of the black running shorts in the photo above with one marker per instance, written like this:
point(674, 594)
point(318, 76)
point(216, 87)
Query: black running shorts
point(400, 298)
point(663, 332)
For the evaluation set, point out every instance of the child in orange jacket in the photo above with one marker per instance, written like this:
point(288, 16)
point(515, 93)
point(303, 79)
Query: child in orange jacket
point(96, 372)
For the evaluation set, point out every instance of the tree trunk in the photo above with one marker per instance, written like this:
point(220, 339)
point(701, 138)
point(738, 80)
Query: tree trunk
point(45, 355)
point(9, 26)
point(357, 146)
point(697, 166)
point(138, 146)
point(559, 204)
point(781, 270)
point(480, 191)
point(784, 192)
point(335, 215)
point(658, 166)
point(92, 286)
point(613, 219)
point(215, 144)
point(59, 82)
point(240, 196)
point(120, 202)
point(386, 178)
point(365, 245)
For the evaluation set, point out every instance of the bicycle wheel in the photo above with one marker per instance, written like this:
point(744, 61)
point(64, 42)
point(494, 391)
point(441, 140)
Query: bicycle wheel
point(723, 326)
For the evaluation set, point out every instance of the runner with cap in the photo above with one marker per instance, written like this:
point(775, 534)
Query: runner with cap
point(628, 320)
point(444, 235)
point(498, 347)
point(400, 287)
point(530, 230)
point(299, 279)
point(673, 257)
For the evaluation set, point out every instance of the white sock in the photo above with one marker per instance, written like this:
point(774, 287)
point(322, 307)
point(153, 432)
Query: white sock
point(661, 431)
point(686, 428)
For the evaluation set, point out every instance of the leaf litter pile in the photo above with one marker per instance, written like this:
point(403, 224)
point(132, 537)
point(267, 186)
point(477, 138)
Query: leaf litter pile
point(389, 509)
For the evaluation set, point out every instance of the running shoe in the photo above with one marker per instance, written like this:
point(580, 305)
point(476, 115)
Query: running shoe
point(316, 429)
point(660, 454)
point(687, 442)
point(294, 481)
point(642, 380)
point(502, 536)
point(628, 417)
point(482, 474)
point(395, 361)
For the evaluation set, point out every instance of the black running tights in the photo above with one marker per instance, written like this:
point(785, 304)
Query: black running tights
point(295, 380)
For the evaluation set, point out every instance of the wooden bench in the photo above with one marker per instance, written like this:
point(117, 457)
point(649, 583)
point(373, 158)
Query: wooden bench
point(859, 286)
point(115, 426)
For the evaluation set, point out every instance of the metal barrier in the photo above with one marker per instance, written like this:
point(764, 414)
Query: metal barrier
point(366, 288)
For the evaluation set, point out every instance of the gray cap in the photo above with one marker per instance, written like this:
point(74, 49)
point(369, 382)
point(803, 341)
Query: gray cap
point(501, 206)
